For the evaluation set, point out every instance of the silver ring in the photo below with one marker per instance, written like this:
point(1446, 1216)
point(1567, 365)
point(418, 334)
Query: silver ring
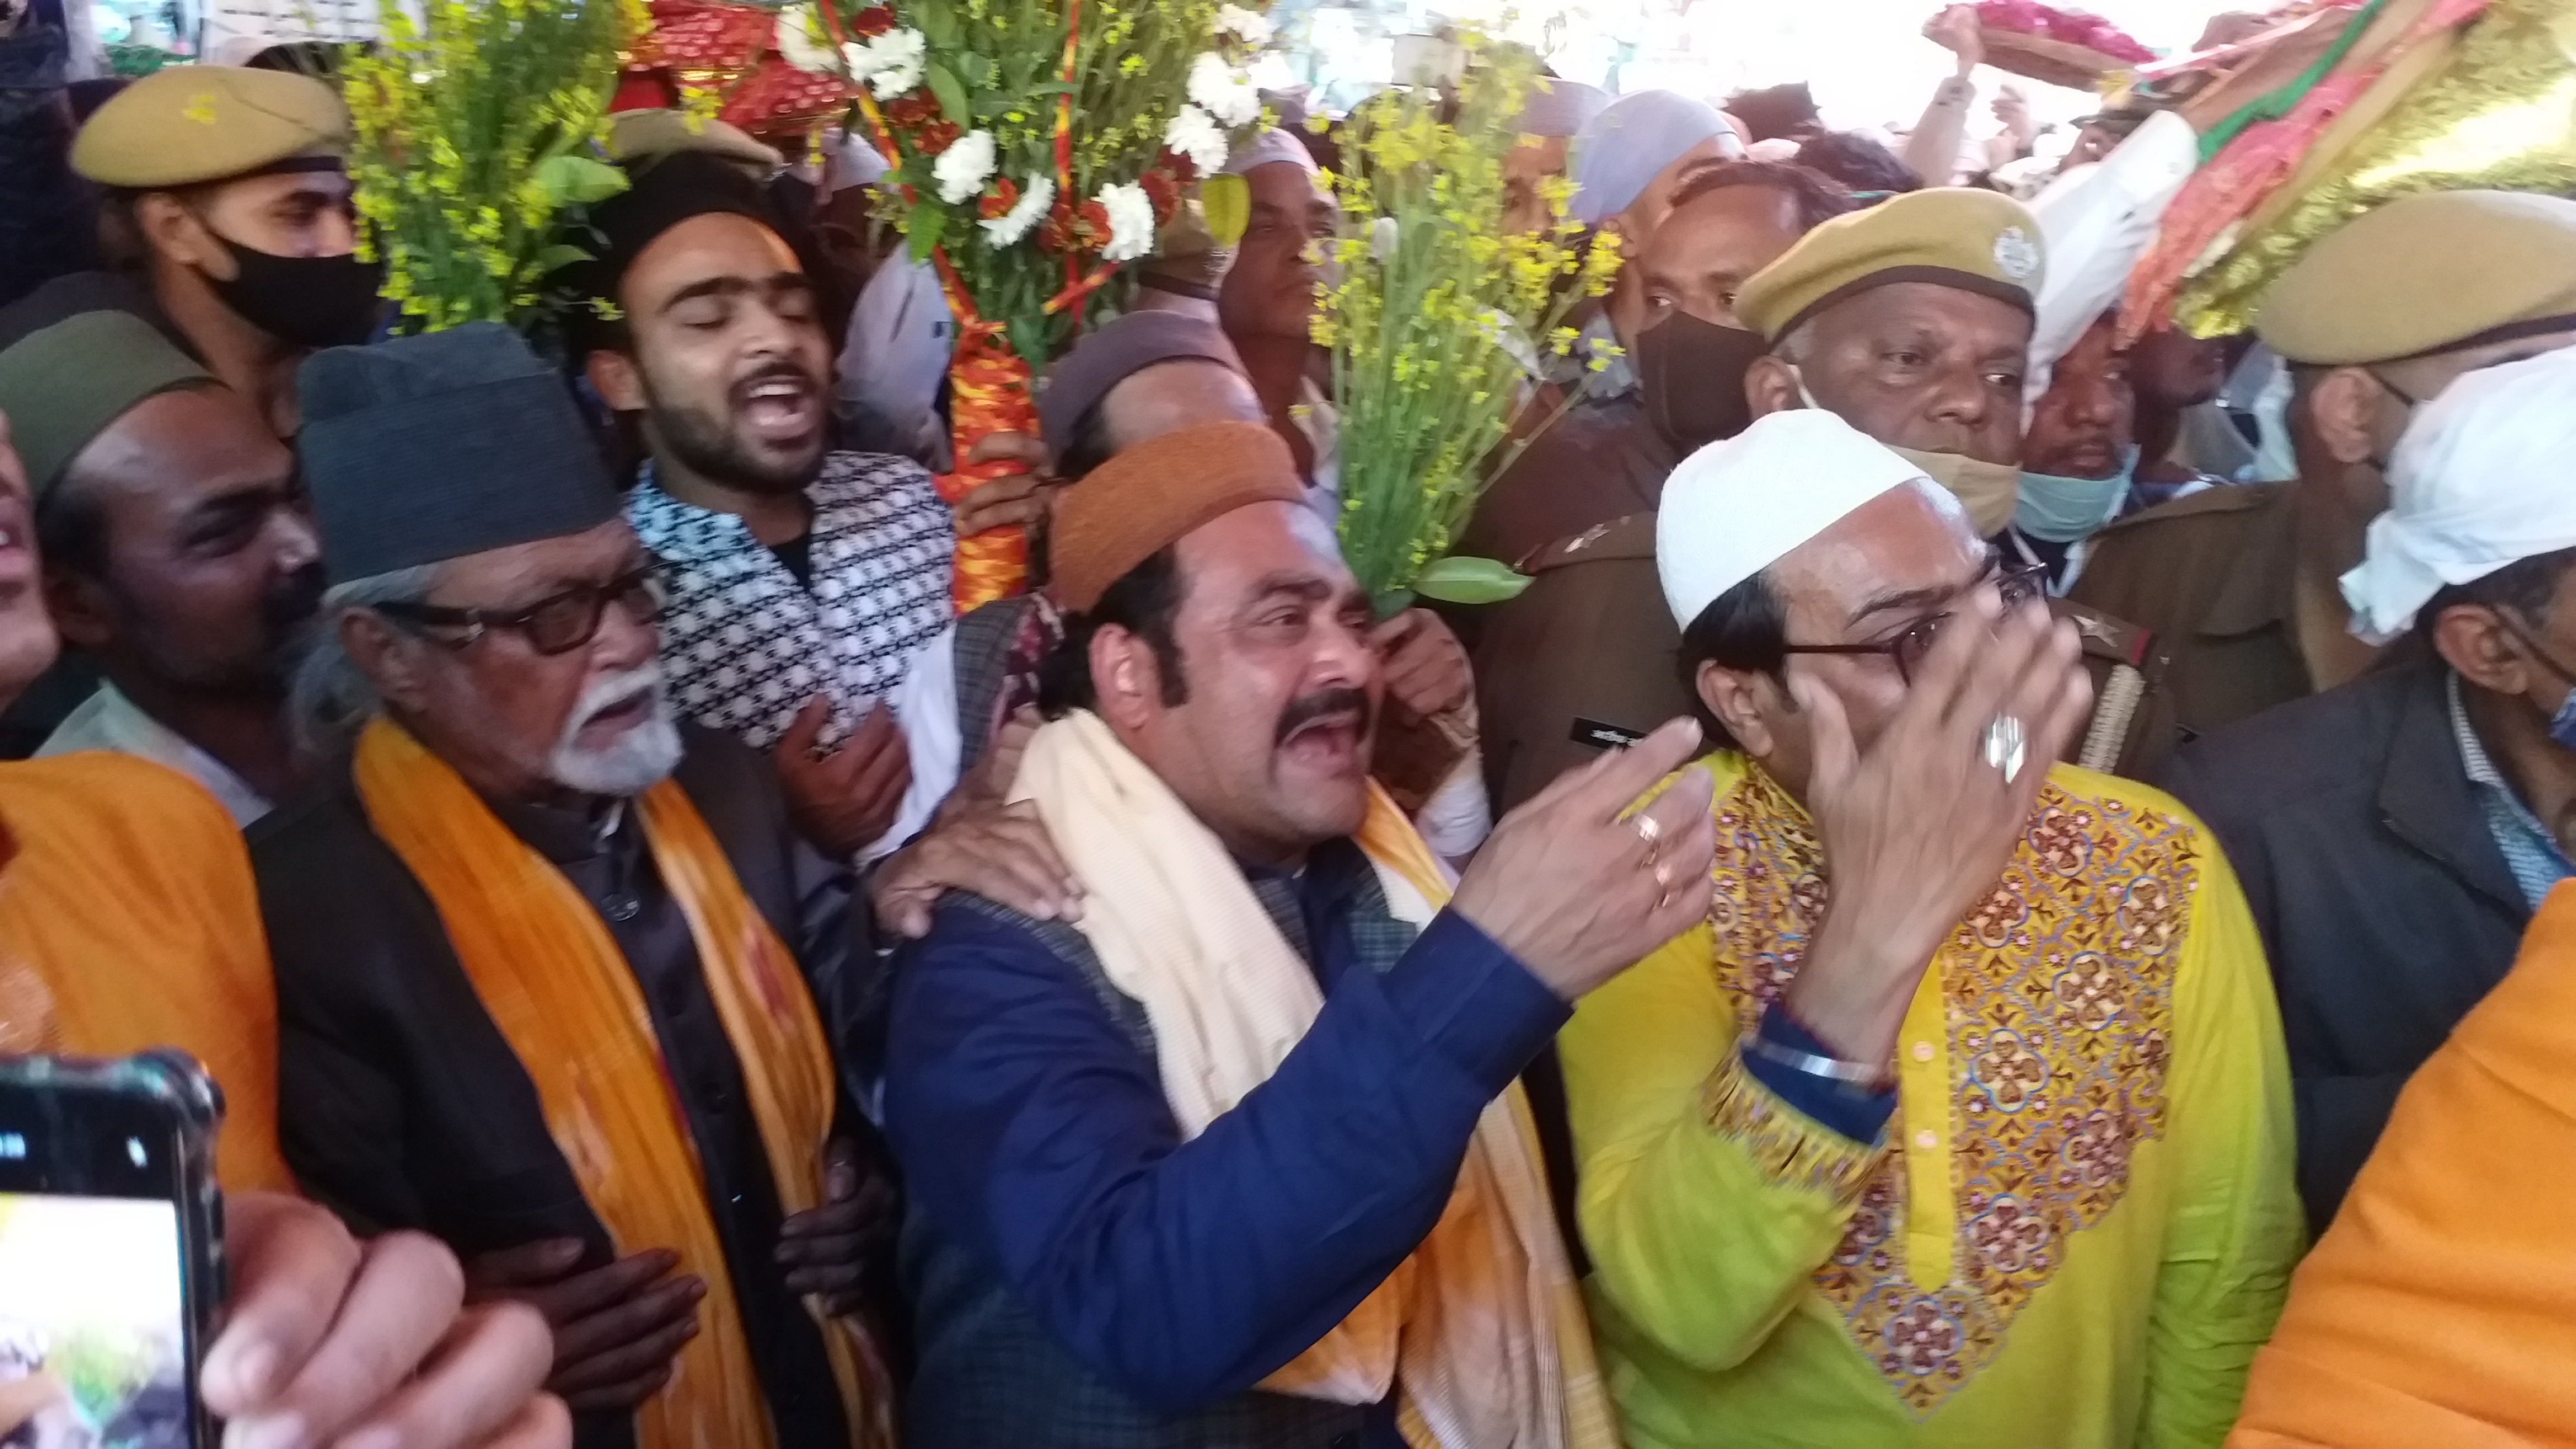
point(2007, 746)
point(1649, 829)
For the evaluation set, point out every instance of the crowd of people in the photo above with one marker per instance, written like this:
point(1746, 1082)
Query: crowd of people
point(1954, 909)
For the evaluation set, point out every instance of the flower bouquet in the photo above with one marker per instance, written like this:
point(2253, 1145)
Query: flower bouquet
point(475, 125)
point(1037, 146)
point(1440, 321)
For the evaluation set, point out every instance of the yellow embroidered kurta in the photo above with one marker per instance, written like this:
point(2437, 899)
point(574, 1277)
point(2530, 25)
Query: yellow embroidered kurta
point(2074, 1231)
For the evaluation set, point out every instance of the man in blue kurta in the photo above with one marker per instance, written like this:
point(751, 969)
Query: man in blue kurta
point(1230, 1156)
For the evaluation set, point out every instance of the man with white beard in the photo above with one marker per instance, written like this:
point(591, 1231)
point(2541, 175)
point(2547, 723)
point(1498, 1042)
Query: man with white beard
point(548, 962)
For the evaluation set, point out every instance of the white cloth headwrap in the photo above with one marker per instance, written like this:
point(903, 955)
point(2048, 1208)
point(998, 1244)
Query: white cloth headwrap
point(2098, 220)
point(1735, 508)
point(2479, 481)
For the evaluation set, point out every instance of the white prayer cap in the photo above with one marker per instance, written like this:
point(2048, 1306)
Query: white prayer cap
point(1735, 508)
point(2479, 481)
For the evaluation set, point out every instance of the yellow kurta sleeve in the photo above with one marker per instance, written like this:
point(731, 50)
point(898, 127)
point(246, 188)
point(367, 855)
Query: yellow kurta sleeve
point(2235, 1229)
point(1707, 1202)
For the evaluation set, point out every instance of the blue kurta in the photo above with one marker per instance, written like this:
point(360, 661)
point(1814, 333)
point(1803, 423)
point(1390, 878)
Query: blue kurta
point(1024, 1102)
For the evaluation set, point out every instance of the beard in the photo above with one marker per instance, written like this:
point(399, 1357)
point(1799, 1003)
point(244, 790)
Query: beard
point(635, 761)
point(708, 443)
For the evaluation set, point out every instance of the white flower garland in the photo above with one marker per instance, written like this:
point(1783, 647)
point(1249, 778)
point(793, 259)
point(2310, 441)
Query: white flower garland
point(1131, 222)
point(964, 167)
point(891, 63)
point(1010, 226)
point(1195, 134)
point(1224, 90)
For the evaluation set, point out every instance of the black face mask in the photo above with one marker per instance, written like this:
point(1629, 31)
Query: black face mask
point(308, 301)
point(1692, 374)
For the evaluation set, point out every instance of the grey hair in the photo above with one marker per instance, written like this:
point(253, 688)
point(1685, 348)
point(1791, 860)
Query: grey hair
point(332, 697)
point(1795, 347)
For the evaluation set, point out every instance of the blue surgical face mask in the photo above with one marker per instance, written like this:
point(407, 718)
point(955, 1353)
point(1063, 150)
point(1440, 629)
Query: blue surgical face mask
point(2562, 726)
point(2063, 510)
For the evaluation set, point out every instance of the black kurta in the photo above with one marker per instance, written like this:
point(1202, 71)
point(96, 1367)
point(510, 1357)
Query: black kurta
point(402, 1105)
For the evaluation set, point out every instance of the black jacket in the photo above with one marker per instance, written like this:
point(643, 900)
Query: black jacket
point(2385, 904)
point(401, 1105)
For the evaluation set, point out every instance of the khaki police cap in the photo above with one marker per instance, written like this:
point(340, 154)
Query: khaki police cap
point(1956, 236)
point(636, 135)
point(2425, 274)
point(193, 123)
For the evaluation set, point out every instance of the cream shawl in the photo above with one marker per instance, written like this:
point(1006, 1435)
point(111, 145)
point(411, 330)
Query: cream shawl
point(1482, 1327)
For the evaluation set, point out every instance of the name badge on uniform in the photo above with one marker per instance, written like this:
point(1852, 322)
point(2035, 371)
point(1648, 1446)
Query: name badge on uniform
point(1604, 736)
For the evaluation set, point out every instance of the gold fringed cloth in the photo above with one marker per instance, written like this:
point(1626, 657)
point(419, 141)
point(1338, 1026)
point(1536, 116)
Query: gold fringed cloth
point(2491, 106)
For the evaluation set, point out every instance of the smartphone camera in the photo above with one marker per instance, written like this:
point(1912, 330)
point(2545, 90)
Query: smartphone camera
point(110, 1250)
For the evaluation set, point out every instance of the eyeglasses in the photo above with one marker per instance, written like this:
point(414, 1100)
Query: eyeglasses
point(2019, 584)
point(556, 624)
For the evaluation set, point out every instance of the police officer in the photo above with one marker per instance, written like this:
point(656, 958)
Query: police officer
point(227, 222)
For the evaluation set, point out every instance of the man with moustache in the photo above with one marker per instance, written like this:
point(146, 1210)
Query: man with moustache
point(542, 953)
point(801, 578)
point(1912, 321)
point(1234, 1158)
point(178, 554)
point(228, 221)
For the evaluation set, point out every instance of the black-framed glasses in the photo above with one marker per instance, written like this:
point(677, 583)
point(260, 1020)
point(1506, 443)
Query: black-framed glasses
point(556, 624)
point(2019, 584)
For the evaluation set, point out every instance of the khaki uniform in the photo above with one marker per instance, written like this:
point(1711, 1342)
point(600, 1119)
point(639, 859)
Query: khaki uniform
point(2212, 575)
point(1600, 462)
point(1587, 658)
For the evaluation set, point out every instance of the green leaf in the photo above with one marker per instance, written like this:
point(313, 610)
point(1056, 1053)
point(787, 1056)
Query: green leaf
point(1469, 581)
point(925, 226)
point(939, 27)
point(951, 92)
point(573, 179)
point(559, 256)
point(978, 72)
point(1227, 202)
point(1387, 603)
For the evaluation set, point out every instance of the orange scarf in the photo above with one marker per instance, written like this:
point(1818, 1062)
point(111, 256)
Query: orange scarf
point(128, 921)
point(563, 995)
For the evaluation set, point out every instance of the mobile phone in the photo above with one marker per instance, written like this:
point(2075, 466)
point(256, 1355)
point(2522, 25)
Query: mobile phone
point(111, 1250)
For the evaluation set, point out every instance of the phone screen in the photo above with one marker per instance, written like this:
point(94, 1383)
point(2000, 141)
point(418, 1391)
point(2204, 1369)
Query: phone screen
point(94, 1320)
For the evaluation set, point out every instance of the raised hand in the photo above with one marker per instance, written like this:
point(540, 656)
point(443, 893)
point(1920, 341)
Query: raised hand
point(1014, 500)
point(1425, 667)
point(1917, 828)
point(1576, 887)
point(844, 798)
point(1958, 31)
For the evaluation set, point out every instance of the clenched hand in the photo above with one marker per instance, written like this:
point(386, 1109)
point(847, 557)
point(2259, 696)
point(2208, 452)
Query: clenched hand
point(844, 798)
